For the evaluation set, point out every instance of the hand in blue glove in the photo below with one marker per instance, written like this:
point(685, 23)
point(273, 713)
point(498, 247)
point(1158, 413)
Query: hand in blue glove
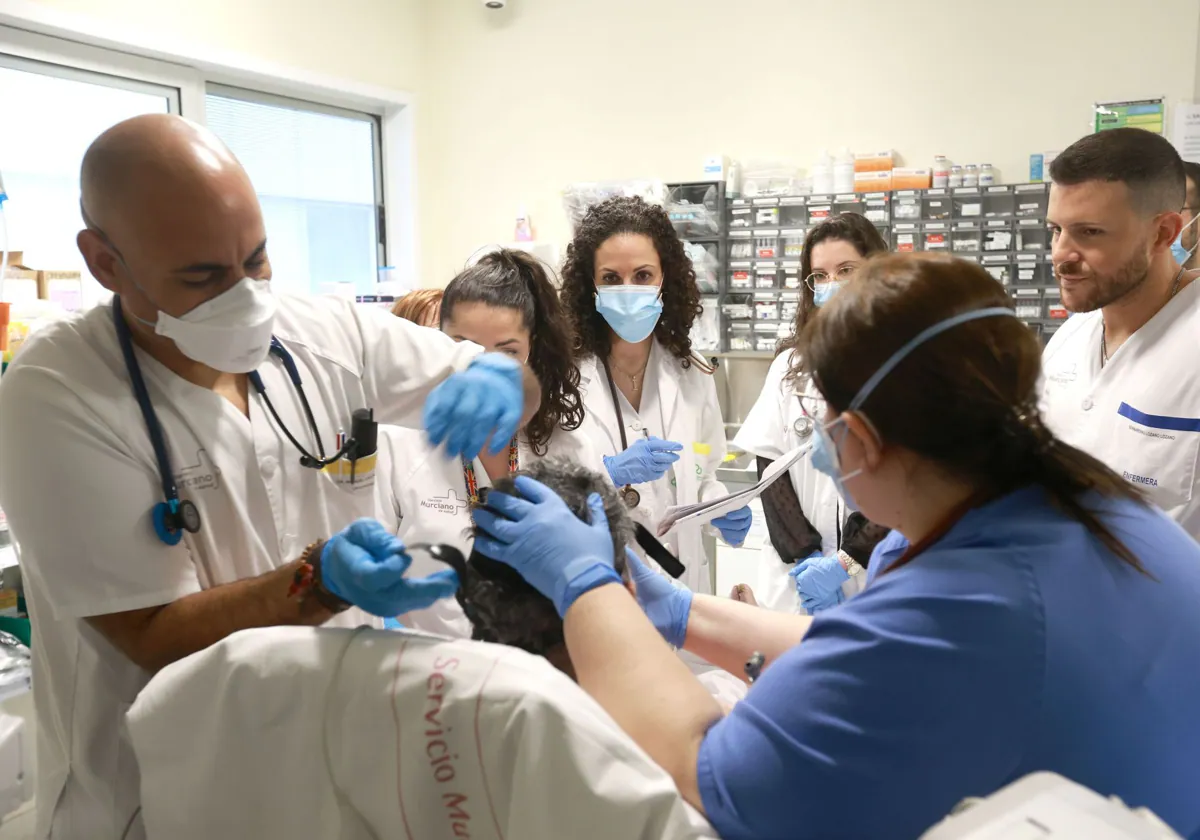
point(666, 605)
point(646, 460)
point(485, 400)
point(734, 525)
point(819, 581)
point(559, 554)
point(365, 565)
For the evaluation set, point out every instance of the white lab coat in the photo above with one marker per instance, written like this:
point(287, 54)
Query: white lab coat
point(678, 404)
point(79, 480)
point(776, 424)
point(1140, 413)
point(428, 495)
point(295, 733)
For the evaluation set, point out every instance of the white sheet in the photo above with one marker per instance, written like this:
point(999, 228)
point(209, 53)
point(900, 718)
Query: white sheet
point(290, 733)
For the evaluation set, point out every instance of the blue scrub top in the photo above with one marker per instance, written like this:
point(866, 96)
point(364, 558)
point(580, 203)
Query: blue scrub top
point(1015, 643)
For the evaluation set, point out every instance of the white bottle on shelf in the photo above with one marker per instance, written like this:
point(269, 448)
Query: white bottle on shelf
point(941, 172)
point(971, 175)
point(822, 174)
point(987, 175)
point(843, 172)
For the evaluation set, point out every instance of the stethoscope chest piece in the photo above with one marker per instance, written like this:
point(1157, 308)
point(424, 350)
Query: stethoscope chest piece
point(172, 518)
point(803, 427)
point(630, 497)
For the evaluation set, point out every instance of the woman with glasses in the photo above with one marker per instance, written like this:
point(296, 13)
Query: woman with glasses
point(631, 290)
point(818, 549)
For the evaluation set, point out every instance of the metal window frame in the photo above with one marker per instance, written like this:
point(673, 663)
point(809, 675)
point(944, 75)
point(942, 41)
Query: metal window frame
point(92, 77)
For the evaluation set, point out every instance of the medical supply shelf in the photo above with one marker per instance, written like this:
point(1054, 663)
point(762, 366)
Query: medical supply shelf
point(1002, 228)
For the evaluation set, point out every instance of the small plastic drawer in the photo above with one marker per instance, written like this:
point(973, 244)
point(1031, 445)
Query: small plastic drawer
point(968, 203)
point(766, 337)
point(1032, 235)
point(741, 337)
point(740, 215)
point(766, 275)
point(741, 276)
point(906, 206)
point(766, 216)
point(1027, 304)
point(997, 236)
point(792, 243)
point(820, 208)
point(935, 236)
point(791, 276)
point(789, 305)
point(999, 202)
point(741, 245)
point(877, 207)
point(738, 307)
point(793, 211)
point(849, 203)
point(999, 266)
point(936, 205)
point(906, 238)
point(967, 238)
point(766, 244)
point(766, 309)
point(1048, 331)
point(1033, 270)
point(1032, 200)
point(1052, 306)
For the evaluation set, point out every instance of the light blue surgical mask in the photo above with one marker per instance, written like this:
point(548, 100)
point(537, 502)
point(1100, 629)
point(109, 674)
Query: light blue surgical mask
point(1180, 253)
point(823, 292)
point(826, 458)
point(632, 311)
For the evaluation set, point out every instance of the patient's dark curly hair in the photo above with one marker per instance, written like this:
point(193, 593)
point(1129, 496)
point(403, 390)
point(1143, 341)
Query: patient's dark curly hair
point(500, 605)
point(516, 280)
point(680, 295)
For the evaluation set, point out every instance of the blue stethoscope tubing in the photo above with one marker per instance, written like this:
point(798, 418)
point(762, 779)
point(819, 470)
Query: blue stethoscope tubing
point(174, 515)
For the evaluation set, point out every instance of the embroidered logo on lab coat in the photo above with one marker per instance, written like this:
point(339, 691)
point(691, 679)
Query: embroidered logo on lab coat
point(1064, 375)
point(203, 475)
point(449, 504)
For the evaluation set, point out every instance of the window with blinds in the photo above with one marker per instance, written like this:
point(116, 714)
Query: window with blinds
point(318, 175)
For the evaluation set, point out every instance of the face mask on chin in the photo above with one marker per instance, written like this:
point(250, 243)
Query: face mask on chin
point(1181, 253)
point(230, 333)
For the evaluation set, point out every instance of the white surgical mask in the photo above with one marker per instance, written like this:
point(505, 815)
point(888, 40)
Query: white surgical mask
point(230, 333)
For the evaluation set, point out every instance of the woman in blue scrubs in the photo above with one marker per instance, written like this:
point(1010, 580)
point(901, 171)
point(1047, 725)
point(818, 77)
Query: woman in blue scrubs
point(1029, 612)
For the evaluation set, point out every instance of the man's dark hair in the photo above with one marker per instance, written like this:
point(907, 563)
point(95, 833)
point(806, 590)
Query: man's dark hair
point(500, 605)
point(1145, 162)
point(1192, 172)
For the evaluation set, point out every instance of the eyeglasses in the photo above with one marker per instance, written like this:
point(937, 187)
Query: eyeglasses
point(820, 278)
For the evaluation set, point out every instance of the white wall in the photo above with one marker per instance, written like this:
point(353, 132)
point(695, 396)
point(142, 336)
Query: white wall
point(370, 41)
point(518, 103)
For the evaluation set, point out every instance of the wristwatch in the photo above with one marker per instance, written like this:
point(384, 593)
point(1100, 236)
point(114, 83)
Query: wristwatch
point(849, 564)
point(311, 558)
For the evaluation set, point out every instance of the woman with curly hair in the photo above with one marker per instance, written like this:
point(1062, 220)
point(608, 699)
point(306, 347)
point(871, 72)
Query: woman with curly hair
point(505, 303)
point(817, 549)
point(631, 291)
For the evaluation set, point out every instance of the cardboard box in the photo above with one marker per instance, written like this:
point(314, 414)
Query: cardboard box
point(62, 287)
point(875, 161)
point(912, 179)
point(20, 281)
point(872, 181)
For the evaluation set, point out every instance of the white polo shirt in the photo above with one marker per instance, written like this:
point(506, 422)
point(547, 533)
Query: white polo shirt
point(79, 480)
point(1140, 413)
point(390, 735)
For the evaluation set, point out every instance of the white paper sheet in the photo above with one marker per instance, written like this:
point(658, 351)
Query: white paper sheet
point(708, 511)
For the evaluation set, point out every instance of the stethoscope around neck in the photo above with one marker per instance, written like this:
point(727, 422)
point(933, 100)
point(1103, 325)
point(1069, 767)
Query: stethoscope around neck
point(174, 515)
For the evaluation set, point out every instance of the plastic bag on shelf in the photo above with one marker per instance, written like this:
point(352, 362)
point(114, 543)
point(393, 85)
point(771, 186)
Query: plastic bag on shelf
point(706, 331)
point(578, 198)
point(693, 219)
point(769, 178)
point(704, 261)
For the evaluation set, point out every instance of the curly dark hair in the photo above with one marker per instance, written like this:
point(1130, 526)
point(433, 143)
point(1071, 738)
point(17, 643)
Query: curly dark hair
point(516, 280)
point(680, 294)
point(854, 228)
point(501, 606)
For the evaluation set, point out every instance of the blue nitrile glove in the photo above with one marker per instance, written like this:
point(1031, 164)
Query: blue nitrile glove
point(485, 400)
point(560, 555)
point(645, 460)
point(392, 624)
point(819, 581)
point(734, 525)
point(365, 565)
point(666, 605)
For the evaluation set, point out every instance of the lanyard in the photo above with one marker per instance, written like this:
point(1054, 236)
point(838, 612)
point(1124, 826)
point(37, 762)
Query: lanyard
point(473, 483)
point(629, 496)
